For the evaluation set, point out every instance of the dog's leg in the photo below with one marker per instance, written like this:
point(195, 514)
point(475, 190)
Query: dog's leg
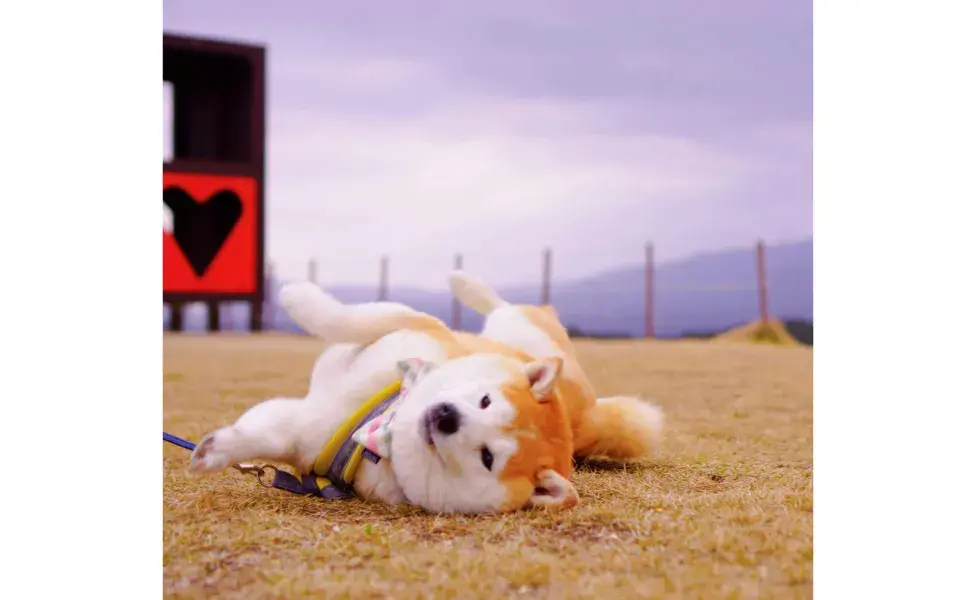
point(534, 330)
point(274, 430)
point(505, 323)
point(620, 428)
point(328, 377)
point(474, 293)
point(321, 314)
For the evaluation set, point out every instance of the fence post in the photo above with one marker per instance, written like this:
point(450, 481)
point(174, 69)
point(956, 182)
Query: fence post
point(649, 291)
point(455, 303)
point(762, 286)
point(546, 275)
point(313, 271)
point(384, 291)
point(267, 307)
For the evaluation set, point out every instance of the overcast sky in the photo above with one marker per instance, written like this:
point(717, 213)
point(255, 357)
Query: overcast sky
point(495, 128)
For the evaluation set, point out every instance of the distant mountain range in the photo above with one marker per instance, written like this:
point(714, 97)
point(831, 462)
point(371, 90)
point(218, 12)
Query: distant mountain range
point(704, 293)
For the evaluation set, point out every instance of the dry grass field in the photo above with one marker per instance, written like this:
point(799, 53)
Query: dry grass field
point(726, 510)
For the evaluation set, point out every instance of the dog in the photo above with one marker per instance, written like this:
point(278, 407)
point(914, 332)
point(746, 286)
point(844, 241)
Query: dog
point(487, 423)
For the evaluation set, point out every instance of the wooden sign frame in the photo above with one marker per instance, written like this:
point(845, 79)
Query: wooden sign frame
point(217, 175)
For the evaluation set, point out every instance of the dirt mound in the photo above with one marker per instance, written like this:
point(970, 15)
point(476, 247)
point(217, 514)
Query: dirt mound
point(771, 332)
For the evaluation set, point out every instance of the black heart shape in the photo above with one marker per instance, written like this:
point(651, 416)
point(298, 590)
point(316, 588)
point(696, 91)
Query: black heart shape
point(201, 228)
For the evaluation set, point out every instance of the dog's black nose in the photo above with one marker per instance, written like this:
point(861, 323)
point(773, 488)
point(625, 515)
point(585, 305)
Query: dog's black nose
point(445, 418)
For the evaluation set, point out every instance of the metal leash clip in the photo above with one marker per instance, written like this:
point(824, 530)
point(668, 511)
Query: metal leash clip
point(259, 472)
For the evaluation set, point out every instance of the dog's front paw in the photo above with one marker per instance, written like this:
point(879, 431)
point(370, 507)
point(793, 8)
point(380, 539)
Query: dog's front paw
point(212, 454)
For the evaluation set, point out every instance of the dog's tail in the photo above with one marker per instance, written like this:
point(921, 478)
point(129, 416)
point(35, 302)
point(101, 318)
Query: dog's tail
point(621, 428)
point(321, 314)
point(474, 293)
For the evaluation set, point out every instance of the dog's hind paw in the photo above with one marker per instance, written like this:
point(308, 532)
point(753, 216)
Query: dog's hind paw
point(211, 454)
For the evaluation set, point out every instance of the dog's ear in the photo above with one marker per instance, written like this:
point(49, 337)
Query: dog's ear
point(412, 370)
point(552, 490)
point(542, 375)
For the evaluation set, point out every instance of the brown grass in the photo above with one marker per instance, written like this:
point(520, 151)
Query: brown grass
point(726, 511)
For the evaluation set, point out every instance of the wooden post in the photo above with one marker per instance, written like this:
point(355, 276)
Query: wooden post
point(312, 271)
point(176, 316)
point(257, 308)
point(213, 317)
point(761, 275)
point(265, 311)
point(649, 291)
point(455, 303)
point(384, 292)
point(546, 276)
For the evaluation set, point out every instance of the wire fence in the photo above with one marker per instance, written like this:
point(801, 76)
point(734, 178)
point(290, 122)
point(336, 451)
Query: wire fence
point(695, 298)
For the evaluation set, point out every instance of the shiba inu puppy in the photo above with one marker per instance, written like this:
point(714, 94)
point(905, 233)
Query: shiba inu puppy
point(481, 423)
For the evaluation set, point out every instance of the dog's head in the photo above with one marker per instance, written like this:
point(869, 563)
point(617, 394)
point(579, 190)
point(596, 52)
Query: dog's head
point(481, 434)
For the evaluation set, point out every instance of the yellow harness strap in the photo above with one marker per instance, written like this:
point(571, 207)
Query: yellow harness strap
point(323, 462)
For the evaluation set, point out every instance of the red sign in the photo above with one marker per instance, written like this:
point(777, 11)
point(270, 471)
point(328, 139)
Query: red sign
point(209, 234)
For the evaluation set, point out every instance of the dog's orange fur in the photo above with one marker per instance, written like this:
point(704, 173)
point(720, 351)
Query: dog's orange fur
point(544, 435)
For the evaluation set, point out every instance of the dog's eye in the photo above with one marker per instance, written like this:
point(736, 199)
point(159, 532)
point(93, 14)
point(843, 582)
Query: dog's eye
point(485, 401)
point(486, 458)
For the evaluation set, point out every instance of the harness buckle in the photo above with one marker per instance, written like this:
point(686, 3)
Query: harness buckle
point(259, 472)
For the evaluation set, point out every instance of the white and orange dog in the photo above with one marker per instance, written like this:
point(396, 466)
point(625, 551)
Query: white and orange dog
point(484, 423)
